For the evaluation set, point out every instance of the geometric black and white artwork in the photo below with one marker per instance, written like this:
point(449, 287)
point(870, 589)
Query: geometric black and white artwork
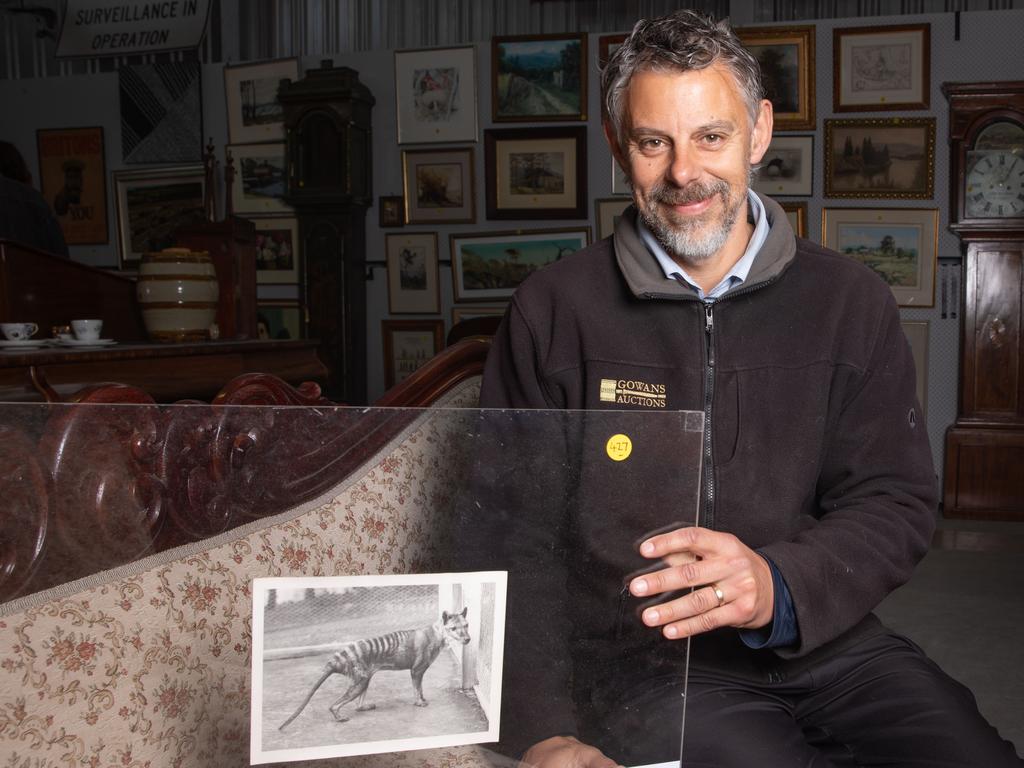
point(161, 113)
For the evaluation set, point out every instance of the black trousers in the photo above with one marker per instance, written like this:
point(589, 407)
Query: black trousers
point(881, 703)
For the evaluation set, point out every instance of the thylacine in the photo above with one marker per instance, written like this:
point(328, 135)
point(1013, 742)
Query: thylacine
point(412, 649)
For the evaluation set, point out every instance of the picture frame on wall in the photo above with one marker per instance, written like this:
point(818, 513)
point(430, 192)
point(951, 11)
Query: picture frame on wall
point(885, 158)
point(786, 56)
point(881, 68)
point(73, 180)
point(607, 211)
point(787, 168)
point(408, 344)
point(391, 209)
point(435, 92)
point(438, 186)
point(250, 92)
point(278, 319)
point(536, 173)
point(489, 267)
point(539, 77)
point(261, 180)
point(152, 204)
point(413, 273)
point(607, 45)
point(277, 250)
point(797, 215)
point(917, 332)
point(898, 244)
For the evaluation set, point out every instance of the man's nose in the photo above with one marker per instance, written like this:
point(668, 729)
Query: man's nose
point(683, 168)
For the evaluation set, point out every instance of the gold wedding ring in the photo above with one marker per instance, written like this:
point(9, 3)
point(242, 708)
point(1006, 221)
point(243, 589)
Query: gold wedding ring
point(718, 593)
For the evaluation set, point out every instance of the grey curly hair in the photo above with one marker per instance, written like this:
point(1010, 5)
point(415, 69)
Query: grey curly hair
point(679, 42)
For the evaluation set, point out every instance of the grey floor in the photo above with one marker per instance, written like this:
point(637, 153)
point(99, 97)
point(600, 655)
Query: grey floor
point(965, 607)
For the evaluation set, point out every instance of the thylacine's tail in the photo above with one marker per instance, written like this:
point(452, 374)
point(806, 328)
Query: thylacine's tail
point(328, 671)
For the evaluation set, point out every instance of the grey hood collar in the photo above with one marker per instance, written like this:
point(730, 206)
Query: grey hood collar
point(646, 278)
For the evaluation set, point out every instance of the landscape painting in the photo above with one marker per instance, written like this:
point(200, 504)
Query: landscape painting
point(539, 77)
point(880, 158)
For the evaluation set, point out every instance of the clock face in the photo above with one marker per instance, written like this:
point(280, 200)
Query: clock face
point(995, 184)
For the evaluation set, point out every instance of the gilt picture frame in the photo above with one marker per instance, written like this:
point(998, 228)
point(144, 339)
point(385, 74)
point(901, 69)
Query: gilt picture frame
point(884, 158)
point(438, 186)
point(881, 68)
point(786, 56)
point(796, 212)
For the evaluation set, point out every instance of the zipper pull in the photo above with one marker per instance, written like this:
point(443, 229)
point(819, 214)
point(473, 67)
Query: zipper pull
point(709, 321)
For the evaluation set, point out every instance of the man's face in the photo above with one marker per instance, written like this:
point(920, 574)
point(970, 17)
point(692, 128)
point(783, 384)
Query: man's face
point(689, 148)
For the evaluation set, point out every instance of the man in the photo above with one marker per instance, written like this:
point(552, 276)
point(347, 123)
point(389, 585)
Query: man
point(818, 495)
point(24, 215)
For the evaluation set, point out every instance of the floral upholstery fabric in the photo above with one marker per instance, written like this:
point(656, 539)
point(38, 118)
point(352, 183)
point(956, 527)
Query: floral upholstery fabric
point(152, 667)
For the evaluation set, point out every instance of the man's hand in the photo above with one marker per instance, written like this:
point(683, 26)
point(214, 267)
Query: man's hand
point(733, 583)
point(565, 752)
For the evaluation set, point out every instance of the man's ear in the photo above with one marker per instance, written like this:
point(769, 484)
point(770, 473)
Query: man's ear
point(761, 136)
point(613, 143)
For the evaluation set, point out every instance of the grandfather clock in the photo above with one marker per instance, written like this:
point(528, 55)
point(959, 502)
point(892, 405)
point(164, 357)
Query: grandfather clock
point(327, 125)
point(984, 470)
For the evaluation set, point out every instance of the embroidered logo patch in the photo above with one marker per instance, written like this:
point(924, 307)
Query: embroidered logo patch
point(633, 392)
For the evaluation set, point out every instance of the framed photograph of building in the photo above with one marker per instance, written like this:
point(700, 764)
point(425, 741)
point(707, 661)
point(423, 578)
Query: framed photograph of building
point(435, 91)
point(797, 215)
point(408, 344)
point(787, 168)
point(250, 91)
point(539, 77)
point(489, 267)
point(786, 56)
point(438, 186)
point(73, 180)
point(886, 158)
point(881, 68)
point(261, 179)
point(277, 250)
point(607, 211)
point(536, 173)
point(152, 204)
point(413, 273)
point(899, 244)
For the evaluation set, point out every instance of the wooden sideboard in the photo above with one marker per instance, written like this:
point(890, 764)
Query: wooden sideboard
point(167, 372)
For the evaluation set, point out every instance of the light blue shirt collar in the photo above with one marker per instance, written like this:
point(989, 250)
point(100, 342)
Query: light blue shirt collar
point(734, 276)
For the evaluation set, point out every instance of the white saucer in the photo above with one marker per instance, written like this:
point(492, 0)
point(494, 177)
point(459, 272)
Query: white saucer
point(22, 343)
point(86, 342)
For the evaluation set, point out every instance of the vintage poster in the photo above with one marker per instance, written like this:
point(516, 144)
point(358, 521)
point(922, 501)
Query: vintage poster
point(73, 180)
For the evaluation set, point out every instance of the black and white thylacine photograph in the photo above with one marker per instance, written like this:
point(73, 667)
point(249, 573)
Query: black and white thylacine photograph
point(351, 665)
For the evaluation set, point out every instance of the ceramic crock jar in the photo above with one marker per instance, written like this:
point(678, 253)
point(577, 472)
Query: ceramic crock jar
point(177, 292)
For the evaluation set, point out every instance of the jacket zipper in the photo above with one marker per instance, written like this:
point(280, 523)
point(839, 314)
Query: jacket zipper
point(709, 391)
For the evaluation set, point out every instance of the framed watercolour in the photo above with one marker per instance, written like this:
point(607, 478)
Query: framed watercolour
point(413, 284)
point(620, 181)
point(797, 215)
point(539, 77)
point(392, 210)
point(786, 56)
point(490, 267)
point(438, 186)
point(469, 313)
point(278, 319)
point(250, 91)
point(260, 184)
point(536, 173)
point(73, 180)
point(607, 212)
point(607, 45)
point(435, 90)
point(899, 244)
point(787, 168)
point(152, 204)
point(892, 158)
point(408, 344)
point(916, 332)
point(881, 68)
point(277, 250)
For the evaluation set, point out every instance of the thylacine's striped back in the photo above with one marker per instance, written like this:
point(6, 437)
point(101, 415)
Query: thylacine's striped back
point(387, 651)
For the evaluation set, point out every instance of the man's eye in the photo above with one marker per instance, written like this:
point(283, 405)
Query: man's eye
point(651, 144)
point(713, 138)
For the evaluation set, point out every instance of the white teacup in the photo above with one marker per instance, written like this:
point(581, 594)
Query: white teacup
point(18, 331)
point(87, 330)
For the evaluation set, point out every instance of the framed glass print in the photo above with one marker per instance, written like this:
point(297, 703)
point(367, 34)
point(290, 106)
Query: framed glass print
point(786, 56)
point(797, 215)
point(536, 173)
point(490, 267)
point(539, 77)
point(261, 180)
point(899, 244)
point(880, 157)
point(607, 211)
point(435, 90)
point(277, 250)
point(413, 284)
point(73, 180)
point(787, 168)
point(250, 90)
point(438, 186)
point(152, 204)
point(408, 344)
point(881, 68)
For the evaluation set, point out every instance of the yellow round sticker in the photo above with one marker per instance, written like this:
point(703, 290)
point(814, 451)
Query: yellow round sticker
point(619, 447)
